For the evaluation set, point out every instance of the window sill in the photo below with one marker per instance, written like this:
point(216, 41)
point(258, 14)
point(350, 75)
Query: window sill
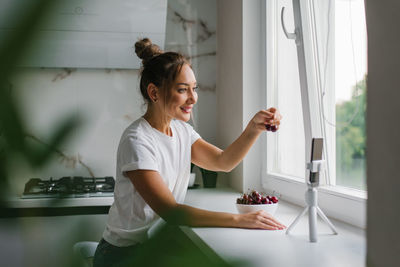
point(350, 243)
point(353, 194)
point(345, 204)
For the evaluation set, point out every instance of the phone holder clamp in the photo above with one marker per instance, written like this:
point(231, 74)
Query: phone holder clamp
point(311, 199)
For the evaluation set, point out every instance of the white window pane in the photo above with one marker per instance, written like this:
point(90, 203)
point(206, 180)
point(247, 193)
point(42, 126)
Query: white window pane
point(286, 146)
point(350, 69)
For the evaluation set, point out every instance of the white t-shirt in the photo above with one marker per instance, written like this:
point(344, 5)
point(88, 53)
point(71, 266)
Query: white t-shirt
point(144, 148)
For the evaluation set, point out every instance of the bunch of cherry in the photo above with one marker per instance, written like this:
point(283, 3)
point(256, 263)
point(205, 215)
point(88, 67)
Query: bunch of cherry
point(255, 198)
point(271, 127)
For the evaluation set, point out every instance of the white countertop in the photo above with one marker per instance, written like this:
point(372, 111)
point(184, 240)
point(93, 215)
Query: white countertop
point(275, 248)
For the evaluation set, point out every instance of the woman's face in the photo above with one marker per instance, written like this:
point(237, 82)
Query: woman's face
point(183, 95)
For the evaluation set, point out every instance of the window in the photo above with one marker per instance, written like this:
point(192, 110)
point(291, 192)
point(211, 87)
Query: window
point(350, 88)
point(286, 153)
point(335, 65)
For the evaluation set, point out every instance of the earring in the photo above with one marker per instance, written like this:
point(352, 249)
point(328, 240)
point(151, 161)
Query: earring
point(155, 99)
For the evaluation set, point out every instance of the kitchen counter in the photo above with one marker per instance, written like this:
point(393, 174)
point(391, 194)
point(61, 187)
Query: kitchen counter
point(18, 207)
point(18, 202)
point(275, 248)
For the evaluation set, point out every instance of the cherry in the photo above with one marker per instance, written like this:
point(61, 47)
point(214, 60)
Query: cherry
point(255, 198)
point(274, 199)
point(272, 128)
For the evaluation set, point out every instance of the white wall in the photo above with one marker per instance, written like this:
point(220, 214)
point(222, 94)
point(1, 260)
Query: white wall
point(240, 82)
point(383, 133)
point(230, 80)
point(254, 82)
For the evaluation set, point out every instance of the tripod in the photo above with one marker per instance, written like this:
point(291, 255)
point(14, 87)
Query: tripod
point(311, 198)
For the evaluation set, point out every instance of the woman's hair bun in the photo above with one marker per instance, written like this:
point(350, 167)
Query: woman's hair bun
point(146, 50)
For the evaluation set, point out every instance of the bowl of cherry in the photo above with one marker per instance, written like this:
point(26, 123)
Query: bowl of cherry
point(255, 201)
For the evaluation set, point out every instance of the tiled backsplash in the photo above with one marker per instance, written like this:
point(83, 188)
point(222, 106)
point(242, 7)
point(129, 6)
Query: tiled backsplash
point(108, 100)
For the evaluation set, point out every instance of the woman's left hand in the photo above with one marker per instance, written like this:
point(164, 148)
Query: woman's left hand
point(262, 118)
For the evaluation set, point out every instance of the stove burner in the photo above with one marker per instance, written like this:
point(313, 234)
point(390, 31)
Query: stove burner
point(69, 187)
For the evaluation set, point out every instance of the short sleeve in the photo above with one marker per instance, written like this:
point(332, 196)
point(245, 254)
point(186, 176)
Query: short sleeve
point(137, 154)
point(194, 136)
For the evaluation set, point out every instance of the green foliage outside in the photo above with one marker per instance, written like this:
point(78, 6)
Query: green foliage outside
point(351, 137)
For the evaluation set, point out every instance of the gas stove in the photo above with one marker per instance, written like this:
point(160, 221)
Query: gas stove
point(69, 187)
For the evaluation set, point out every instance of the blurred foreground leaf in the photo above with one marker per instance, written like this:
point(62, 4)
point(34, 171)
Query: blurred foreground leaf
point(175, 246)
point(12, 128)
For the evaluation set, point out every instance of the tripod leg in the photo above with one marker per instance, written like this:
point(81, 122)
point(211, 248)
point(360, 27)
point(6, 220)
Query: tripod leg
point(321, 213)
point(312, 223)
point(296, 220)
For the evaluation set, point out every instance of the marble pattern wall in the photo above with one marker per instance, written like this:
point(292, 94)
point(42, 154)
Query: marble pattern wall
point(108, 100)
point(191, 30)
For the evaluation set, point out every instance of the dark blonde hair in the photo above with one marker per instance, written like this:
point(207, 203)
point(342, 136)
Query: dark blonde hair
point(158, 67)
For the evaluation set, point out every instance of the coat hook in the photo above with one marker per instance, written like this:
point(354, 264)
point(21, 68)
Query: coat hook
point(289, 35)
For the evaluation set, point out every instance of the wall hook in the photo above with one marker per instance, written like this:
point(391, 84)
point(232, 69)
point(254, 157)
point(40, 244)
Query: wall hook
point(289, 35)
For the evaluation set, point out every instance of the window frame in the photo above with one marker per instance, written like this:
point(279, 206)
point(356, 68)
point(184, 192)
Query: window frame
point(352, 202)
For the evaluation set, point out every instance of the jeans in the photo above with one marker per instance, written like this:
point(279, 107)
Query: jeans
point(107, 255)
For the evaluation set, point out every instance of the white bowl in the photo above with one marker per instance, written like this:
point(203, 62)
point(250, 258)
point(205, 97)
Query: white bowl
point(246, 208)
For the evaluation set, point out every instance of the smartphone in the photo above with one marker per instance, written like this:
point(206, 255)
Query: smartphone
point(316, 154)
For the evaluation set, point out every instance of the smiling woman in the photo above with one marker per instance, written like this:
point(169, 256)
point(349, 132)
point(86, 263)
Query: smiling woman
point(154, 156)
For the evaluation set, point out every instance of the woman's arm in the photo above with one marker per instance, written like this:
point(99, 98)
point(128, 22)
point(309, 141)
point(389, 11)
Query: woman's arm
point(210, 157)
point(152, 188)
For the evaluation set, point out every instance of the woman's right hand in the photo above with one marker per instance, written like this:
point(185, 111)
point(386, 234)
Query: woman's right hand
point(259, 220)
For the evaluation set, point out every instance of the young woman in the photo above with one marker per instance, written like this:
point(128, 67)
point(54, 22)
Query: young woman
point(154, 156)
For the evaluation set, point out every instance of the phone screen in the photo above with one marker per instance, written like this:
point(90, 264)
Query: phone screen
point(316, 154)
